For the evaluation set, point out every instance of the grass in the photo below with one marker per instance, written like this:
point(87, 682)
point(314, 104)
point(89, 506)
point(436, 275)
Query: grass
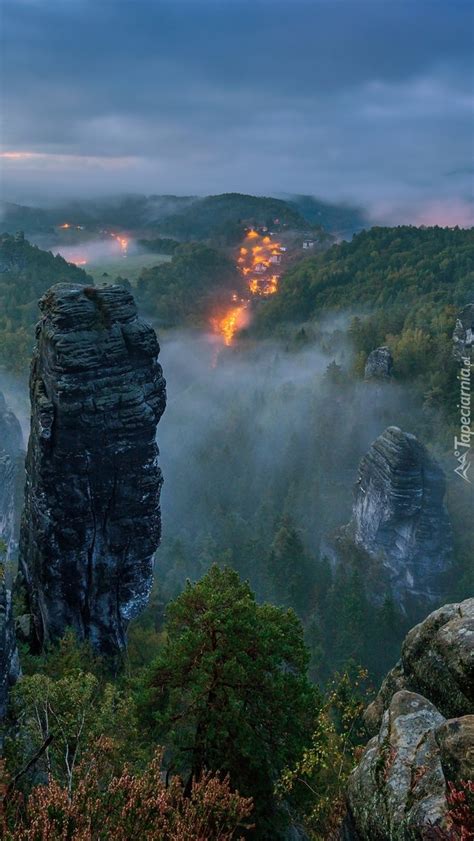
point(129, 267)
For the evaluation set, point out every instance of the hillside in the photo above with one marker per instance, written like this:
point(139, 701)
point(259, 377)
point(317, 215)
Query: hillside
point(26, 272)
point(224, 217)
point(197, 281)
point(341, 219)
point(381, 268)
point(129, 211)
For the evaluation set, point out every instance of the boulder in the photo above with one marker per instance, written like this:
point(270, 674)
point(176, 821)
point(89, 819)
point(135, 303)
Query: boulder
point(437, 661)
point(399, 788)
point(379, 364)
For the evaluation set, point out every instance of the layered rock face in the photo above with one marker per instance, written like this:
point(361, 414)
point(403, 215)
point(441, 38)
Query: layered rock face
point(463, 336)
point(11, 476)
point(91, 520)
point(424, 724)
point(11, 469)
point(399, 522)
point(379, 364)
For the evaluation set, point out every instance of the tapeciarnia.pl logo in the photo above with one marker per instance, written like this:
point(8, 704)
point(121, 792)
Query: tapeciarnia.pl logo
point(462, 445)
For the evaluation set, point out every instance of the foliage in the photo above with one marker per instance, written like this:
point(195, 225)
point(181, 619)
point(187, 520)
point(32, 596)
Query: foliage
point(160, 245)
point(460, 799)
point(223, 218)
point(104, 806)
point(75, 708)
point(406, 285)
point(26, 272)
point(316, 784)
point(196, 281)
point(391, 269)
point(229, 691)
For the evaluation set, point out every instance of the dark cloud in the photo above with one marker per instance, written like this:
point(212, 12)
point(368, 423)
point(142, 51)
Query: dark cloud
point(362, 99)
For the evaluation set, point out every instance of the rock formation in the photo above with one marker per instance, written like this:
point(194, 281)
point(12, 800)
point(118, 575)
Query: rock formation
point(463, 336)
point(11, 468)
point(424, 722)
point(91, 520)
point(379, 364)
point(399, 522)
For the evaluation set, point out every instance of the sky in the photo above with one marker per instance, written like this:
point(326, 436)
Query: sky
point(364, 101)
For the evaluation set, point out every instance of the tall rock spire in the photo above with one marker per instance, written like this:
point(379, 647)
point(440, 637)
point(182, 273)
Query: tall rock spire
point(91, 520)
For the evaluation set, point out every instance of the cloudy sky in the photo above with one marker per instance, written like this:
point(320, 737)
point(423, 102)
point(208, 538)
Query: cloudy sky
point(369, 101)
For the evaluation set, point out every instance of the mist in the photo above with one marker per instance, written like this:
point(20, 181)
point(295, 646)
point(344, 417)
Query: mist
point(259, 432)
point(255, 433)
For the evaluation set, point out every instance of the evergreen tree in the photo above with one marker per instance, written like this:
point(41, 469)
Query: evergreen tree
point(230, 692)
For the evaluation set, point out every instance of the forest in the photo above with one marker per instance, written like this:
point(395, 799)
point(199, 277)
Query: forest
point(246, 676)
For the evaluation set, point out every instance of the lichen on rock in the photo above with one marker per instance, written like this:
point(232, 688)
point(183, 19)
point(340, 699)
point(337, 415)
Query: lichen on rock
point(424, 733)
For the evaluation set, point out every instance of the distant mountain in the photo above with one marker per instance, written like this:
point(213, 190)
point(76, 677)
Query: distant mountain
point(220, 217)
point(224, 217)
point(343, 220)
point(128, 212)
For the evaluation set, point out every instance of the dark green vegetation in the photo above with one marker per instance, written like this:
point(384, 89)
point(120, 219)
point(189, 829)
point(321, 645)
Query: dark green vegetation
point(161, 245)
point(230, 691)
point(404, 286)
point(26, 272)
point(398, 270)
point(186, 217)
point(224, 218)
point(130, 211)
point(224, 687)
point(186, 291)
point(259, 456)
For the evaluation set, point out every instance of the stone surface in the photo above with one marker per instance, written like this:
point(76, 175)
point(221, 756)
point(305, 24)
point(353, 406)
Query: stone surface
point(379, 364)
point(463, 336)
point(11, 471)
point(400, 528)
point(91, 520)
point(398, 790)
point(437, 660)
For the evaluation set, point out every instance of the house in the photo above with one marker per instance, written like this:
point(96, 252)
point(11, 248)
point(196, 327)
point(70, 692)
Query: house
point(308, 243)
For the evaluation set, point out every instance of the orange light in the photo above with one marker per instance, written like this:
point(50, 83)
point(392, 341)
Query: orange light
point(66, 225)
point(78, 261)
point(228, 325)
point(252, 234)
point(253, 286)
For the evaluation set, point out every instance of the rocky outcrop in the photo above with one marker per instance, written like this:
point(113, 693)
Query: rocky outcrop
point(91, 520)
point(463, 336)
point(9, 662)
point(399, 527)
point(379, 364)
point(424, 739)
point(11, 476)
point(11, 468)
point(437, 660)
